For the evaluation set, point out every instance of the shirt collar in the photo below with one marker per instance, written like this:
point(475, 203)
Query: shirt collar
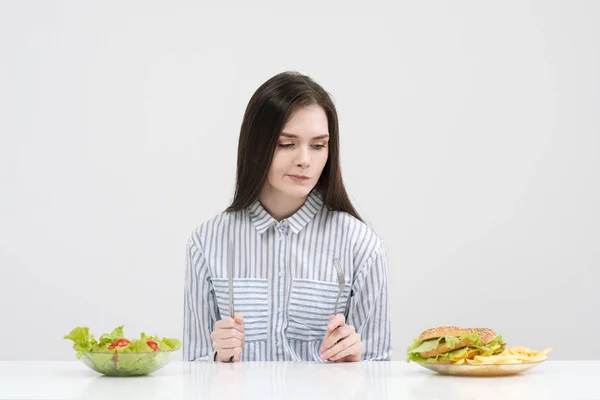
point(263, 220)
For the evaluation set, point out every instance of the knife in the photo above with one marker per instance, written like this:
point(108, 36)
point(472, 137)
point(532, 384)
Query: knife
point(230, 277)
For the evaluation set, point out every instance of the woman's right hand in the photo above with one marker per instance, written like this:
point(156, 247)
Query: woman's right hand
point(228, 338)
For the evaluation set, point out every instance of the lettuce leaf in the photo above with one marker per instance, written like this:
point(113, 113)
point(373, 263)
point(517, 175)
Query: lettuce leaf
point(137, 346)
point(494, 347)
point(418, 346)
point(451, 341)
point(422, 346)
point(445, 356)
point(83, 341)
point(106, 339)
point(169, 344)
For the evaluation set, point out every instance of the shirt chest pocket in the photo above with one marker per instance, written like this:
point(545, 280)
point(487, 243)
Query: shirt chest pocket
point(250, 299)
point(311, 304)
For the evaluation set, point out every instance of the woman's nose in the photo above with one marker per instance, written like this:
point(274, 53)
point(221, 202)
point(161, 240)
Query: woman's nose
point(303, 158)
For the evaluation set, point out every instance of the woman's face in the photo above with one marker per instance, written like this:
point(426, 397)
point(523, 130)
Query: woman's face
point(301, 153)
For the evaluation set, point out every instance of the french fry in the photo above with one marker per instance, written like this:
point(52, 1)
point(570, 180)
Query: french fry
point(512, 355)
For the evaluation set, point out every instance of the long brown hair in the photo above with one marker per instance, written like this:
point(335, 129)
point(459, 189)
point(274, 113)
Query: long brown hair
point(266, 114)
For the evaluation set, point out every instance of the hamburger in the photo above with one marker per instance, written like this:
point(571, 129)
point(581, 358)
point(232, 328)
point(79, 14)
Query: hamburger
point(449, 344)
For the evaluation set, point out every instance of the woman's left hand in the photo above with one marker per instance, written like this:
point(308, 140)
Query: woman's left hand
point(341, 342)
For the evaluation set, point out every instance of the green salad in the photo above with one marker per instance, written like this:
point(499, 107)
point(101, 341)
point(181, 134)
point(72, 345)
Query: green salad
point(114, 354)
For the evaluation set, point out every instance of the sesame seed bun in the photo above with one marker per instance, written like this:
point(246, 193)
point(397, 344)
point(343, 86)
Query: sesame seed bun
point(486, 335)
point(440, 331)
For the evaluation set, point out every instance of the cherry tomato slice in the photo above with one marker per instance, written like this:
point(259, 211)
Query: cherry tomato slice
point(119, 343)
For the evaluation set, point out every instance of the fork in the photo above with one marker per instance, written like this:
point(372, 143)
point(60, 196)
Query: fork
point(341, 282)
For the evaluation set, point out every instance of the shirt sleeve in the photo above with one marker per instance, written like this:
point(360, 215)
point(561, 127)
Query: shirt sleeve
point(200, 310)
point(369, 310)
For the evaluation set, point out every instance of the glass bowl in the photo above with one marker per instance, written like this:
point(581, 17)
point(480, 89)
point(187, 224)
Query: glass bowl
point(127, 364)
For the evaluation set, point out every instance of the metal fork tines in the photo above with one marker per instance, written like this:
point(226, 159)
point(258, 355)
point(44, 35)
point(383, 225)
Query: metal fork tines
point(341, 282)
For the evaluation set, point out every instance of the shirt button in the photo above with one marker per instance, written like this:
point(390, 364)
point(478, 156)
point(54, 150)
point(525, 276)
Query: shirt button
point(280, 273)
point(279, 309)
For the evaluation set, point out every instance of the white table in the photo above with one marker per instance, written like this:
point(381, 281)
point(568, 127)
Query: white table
point(277, 380)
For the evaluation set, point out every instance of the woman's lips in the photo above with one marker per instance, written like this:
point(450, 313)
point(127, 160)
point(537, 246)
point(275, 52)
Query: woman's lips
point(299, 178)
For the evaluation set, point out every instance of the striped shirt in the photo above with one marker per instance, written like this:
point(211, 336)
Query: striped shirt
point(285, 283)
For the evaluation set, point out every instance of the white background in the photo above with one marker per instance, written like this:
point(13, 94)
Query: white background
point(470, 142)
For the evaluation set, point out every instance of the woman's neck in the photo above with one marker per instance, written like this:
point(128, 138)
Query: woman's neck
point(278, 204)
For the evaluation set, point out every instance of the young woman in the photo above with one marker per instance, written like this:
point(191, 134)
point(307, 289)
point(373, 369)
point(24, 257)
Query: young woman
point(309, 277)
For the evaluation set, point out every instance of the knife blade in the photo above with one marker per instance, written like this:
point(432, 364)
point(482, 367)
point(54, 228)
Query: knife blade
point(230, 278)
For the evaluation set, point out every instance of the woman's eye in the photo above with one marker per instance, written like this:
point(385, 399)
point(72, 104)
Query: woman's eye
point(289, 145)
